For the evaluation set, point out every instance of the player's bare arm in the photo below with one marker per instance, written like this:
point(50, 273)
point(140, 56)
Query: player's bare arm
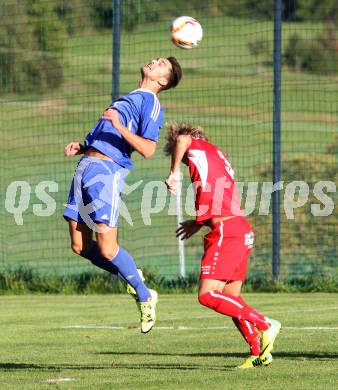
point(74, 149)
point(142, 145)
point(187, 229)
point(182, 143)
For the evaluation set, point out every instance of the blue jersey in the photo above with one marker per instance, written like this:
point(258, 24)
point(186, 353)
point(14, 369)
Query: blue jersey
point(139, 111)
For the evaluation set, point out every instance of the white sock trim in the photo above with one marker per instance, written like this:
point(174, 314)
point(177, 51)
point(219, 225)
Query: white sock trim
point(215, 295)
point(117, 252)
point(247, 323)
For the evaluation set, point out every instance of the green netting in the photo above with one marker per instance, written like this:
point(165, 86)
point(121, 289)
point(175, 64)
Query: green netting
point(56, 79)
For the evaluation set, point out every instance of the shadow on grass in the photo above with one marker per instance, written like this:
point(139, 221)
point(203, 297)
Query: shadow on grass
point(299, 356)
point(281, 355)
point(114, 365)
point(49, 367)
point(306, 355)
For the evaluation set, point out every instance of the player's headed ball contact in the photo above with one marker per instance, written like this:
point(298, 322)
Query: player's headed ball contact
point(186, 32)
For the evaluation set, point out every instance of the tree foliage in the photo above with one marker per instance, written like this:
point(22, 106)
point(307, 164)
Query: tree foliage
point(323, 10)
point(318, 55)
point(32, 41)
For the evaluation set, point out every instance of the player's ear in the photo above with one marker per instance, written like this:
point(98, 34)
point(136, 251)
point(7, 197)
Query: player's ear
point(163, 82)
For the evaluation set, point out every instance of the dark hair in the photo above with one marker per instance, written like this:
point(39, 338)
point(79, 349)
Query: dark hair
point(175, 74)
point(175, 130)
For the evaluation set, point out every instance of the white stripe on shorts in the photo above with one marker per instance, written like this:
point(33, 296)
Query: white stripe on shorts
point(115, 198)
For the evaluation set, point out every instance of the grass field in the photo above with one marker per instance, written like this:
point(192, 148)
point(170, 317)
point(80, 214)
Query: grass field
point(87, 342)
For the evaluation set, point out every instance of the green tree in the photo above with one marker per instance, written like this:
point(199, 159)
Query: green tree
point(318, 55)
point(101, 13)
point(324, 10)
point(261, 50)
point(74, 13)
point(250, 9)
point(32, 41)
point(133, 13)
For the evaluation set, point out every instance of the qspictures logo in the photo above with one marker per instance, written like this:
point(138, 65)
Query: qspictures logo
point(153, 198)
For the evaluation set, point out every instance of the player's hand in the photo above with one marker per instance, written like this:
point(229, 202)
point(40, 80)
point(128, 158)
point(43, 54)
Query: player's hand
point(73, 149)
point(187, 229)
point(173, 181)
point(113, 116)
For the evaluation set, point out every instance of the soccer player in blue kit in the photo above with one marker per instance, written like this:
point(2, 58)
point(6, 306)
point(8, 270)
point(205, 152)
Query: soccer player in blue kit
point(132, 122)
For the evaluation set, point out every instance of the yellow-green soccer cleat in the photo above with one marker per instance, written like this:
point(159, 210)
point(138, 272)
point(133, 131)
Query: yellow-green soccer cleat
point(268, 338)
point(148, 313)
point(256, 361)
point(130, 290)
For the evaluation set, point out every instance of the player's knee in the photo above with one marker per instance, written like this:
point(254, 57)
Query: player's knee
point(108, 252)
point(77, 248)
point(208, 300)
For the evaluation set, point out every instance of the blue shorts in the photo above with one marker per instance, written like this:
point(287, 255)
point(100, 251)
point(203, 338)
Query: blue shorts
point(95, 192)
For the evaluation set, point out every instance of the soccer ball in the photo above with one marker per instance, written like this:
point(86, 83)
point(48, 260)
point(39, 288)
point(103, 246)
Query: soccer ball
point(186, 32)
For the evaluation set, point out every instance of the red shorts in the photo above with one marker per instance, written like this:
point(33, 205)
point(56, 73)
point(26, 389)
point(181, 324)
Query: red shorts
point(226, 250)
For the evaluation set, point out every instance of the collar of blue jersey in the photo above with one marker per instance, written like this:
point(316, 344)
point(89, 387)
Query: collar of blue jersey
point(143, 90)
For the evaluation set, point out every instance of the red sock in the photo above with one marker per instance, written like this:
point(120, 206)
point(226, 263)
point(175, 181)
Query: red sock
point(233, 307)
point(242, 301)
point(250, 334)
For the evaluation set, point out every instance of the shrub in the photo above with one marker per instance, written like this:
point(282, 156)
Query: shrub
point(317, 55)
point(22, 280)
point(261, 50)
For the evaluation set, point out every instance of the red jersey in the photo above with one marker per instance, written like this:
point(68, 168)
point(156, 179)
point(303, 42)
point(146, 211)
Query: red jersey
point(213, 178)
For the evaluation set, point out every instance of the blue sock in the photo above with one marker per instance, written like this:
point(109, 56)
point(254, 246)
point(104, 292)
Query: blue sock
point(127, 268)
point(94, 256)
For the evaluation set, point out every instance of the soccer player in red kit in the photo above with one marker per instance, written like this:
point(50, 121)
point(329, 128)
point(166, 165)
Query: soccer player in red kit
point(227, 246)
